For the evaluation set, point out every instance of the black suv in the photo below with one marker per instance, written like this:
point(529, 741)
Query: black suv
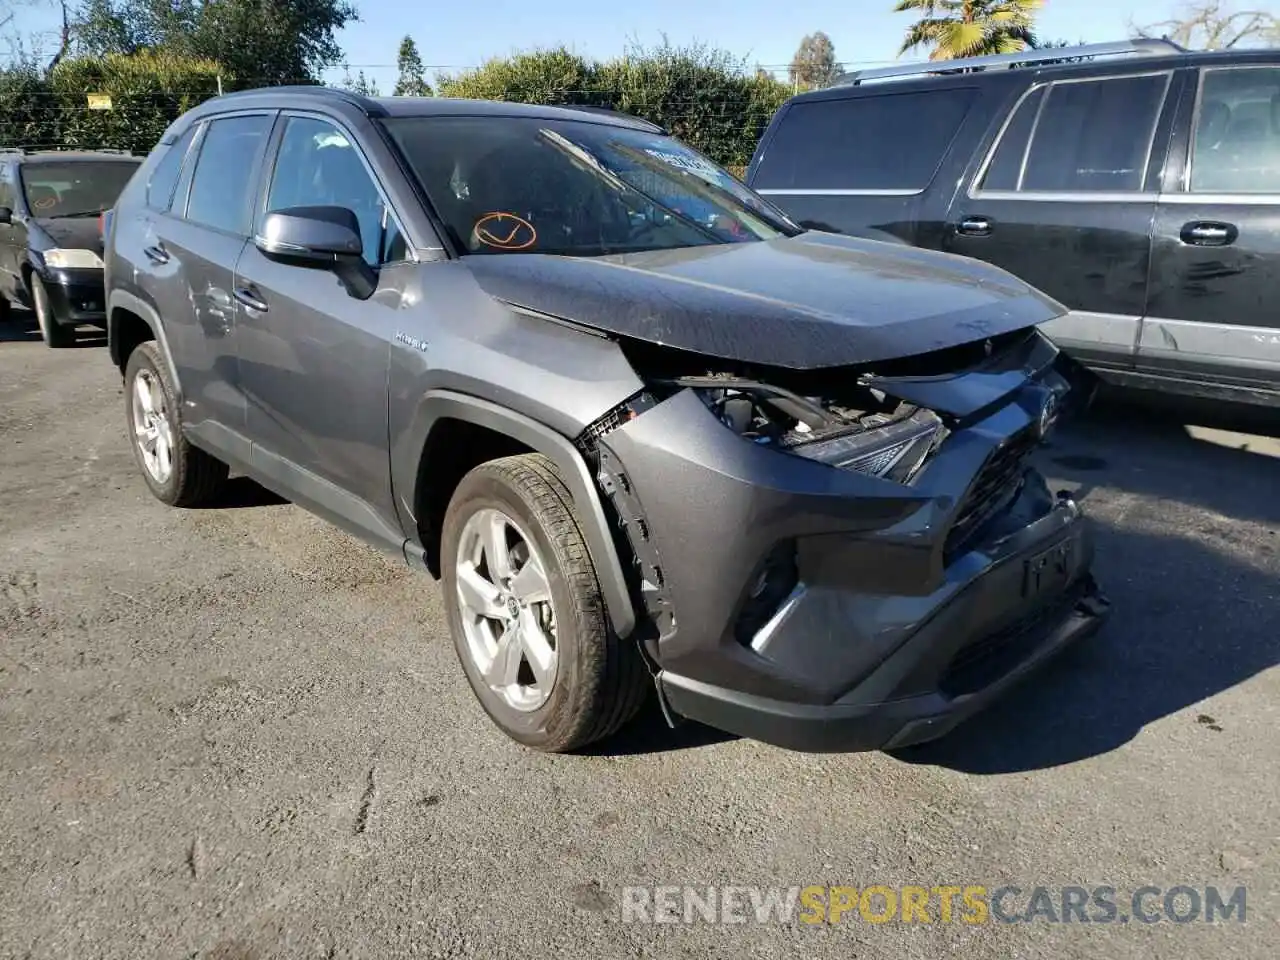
point(1136, 183)
point(50, 235)
point(645, 428)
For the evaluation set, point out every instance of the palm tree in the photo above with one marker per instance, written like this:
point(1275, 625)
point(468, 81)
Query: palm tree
point(969, 28)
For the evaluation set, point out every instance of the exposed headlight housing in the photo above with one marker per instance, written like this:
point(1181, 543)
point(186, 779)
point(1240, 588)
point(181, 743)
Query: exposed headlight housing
point(894, 451)
point(61, 259)
point(882, 438)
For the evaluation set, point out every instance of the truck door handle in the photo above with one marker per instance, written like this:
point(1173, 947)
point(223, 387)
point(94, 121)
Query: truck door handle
point(974, 227)
point(1205, 233)
point(156, 254)
point(250, 299)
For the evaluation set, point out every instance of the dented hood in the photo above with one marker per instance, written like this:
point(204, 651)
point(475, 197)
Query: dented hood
point(815, 300)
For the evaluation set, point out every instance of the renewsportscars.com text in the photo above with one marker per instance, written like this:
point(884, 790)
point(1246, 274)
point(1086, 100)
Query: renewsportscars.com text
point(944, 904)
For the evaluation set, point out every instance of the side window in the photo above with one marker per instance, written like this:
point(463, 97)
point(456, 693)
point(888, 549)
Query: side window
point(1236, 148)
point(165, 175)
point(1091, 135)
point(1005, 168)
point(6, 190)
point(892, 142)
point(319, 166)
point(222, 183)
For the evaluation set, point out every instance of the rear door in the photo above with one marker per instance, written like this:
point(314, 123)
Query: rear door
point(1065, 198)
point(860, 164)
point(1215, 272)
point(190, 252)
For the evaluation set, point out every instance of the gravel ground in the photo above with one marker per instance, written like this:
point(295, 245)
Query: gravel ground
point(237, 733)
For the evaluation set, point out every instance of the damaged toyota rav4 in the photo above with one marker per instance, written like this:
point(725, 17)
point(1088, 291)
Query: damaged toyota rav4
point(647, 431)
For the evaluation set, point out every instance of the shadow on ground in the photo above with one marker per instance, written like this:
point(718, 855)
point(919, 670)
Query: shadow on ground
point(1144, 444)
point(21, 327)
point(649, 733)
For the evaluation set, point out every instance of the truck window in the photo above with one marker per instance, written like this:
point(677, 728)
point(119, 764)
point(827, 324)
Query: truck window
point(890, 142)
point(1086, 136)
point(1237, 132)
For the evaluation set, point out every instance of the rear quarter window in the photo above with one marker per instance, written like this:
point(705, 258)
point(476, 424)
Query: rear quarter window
point(886, 142)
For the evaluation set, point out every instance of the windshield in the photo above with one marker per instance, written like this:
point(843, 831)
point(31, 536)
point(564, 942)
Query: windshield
point(80, 188)
point(523, 185)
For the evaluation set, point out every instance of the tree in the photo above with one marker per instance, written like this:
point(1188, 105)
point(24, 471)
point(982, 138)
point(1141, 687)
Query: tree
point(1215, 25)
point(264, 43)
point(814, 65)
point(969, 28)
point(360, 84)
point(412, 79)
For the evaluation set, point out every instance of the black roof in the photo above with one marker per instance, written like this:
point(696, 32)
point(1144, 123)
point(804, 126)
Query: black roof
point(1042, 72)
point(301, 96)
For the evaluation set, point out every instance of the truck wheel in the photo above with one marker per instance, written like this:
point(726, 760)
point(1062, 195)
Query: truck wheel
point(54, 333)
point(177, 473)
point(525, 610)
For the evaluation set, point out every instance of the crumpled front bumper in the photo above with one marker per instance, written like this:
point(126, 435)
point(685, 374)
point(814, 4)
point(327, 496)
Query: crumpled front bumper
point(890, 634)
point(976, 645)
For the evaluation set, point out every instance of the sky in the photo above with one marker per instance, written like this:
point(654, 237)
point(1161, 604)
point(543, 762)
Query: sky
point(457, 35)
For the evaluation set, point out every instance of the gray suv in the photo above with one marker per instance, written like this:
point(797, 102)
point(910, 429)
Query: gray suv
point(648, 432)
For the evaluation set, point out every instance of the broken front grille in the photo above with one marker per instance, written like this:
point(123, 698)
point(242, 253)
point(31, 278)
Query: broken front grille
point(998, 481)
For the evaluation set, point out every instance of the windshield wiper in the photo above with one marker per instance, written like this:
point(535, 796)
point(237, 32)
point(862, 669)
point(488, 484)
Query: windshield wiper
point(78, 213)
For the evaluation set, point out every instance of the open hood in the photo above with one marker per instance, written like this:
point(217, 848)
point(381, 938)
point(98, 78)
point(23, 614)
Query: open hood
point(805, 302)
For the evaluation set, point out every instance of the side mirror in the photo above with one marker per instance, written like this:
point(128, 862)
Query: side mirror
point(6, 215)
point(326, 238)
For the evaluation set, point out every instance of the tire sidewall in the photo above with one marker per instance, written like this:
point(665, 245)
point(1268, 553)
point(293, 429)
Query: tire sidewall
point(143, 358)
point(43, 309)
point(536, 727)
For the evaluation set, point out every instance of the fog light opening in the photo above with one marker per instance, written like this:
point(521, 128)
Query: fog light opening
point(768, 588)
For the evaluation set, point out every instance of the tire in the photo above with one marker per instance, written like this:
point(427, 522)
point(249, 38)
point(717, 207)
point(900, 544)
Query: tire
point(600, 681)
point(194, 478)
point(53, 333)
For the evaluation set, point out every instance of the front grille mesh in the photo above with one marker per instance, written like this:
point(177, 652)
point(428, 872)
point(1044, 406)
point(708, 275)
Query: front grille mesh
point(997, 482)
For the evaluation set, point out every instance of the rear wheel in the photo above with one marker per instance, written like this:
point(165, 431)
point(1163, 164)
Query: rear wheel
point(525, 610)
point(54, 333)
point(177, 473)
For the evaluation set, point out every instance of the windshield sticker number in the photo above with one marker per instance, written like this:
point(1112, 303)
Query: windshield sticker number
point(690, 162)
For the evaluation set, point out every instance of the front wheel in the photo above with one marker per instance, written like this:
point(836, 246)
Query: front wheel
point(54, 333)
point(176, 472)
point(525, 610)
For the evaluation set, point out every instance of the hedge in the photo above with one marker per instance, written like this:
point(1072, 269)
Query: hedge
point(147, 93)
point(703, 96)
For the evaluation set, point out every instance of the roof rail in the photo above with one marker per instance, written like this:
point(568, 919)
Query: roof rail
point(13, 149)
point(316, 90)
point(1140, 47)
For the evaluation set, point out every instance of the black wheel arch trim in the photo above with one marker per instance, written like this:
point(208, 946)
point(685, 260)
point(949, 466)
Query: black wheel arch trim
point(437, 405)
point(122, 299)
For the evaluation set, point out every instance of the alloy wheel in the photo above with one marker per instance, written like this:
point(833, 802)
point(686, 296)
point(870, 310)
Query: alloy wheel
point(504, 599)
point(151, 425)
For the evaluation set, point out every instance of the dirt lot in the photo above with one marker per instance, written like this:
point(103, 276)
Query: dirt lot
point(237, 733)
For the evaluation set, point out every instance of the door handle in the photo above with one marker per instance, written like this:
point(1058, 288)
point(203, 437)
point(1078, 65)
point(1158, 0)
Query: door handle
point(1205, 233)
point(974, 227)
point(156, 254)
point(250, 299)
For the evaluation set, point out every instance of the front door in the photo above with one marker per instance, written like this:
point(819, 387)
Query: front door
point(1211, 314)
point(314, 359)
point(1065, 199)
